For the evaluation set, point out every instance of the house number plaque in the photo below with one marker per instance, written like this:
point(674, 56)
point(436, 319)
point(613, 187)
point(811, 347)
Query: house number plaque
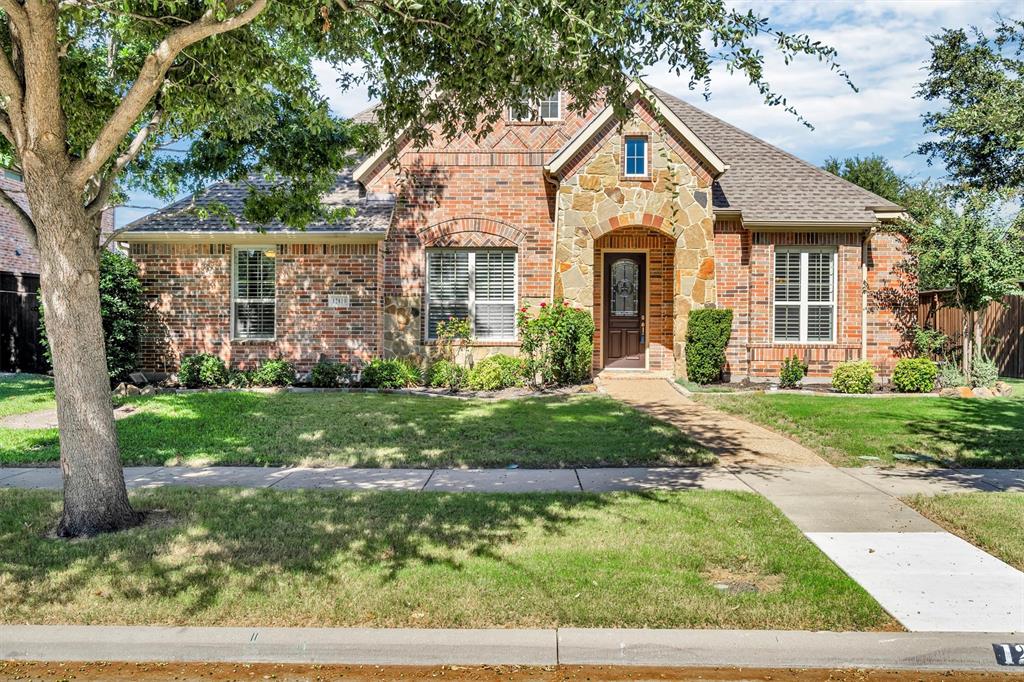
point(1009, 654)
point(339, 300)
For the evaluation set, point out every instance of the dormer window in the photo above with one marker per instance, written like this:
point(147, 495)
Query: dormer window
point(547, 109)
point(634, 156)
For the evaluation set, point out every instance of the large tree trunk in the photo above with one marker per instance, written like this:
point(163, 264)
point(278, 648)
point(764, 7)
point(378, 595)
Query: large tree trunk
point(95, 499)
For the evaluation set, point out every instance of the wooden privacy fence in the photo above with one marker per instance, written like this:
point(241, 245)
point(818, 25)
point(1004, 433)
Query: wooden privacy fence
point(1002, 328)
point(21, 348)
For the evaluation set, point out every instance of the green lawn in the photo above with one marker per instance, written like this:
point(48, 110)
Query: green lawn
point(224, 556)
point(25, 393)
point(992, 521)
point(973, 433)
point(379, 430)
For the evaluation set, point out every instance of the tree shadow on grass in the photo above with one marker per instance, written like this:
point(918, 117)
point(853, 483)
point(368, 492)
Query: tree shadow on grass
point(978, 432)
point(372, 430)
point(207, 545)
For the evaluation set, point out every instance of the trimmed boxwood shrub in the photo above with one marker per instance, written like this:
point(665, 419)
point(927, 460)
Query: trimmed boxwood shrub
point(915, 375)
point(496, 372)
point(202, 370)
point(446, 374)
point(854, 377)
point(391, 373)
point(557, 344)
point(274, 373)
point(707, 335)
point(794, 369)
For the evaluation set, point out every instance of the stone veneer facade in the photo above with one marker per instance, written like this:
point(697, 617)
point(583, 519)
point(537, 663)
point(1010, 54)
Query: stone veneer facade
point(595, 200)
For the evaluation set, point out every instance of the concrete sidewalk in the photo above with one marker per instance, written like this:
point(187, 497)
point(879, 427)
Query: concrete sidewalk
point(550, 646)
point(890, 482)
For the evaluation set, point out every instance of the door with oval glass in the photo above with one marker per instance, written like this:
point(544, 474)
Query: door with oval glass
point(625, 310)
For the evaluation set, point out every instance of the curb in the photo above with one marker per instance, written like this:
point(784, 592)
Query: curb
point(366, 646)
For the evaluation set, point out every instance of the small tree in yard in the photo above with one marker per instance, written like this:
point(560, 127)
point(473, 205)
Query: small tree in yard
point(91, 91)
point(965, 244)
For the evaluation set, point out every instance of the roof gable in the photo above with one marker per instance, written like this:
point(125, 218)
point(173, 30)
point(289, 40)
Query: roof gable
point(671, 120)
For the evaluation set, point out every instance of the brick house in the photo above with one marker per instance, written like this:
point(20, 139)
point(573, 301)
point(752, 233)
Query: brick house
point(638, 222)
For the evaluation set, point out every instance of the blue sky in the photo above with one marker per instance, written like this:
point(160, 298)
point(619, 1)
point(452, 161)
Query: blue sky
point(881, 43)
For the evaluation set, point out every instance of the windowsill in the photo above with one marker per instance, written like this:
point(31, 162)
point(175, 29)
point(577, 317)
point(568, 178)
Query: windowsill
point(802, 344)
point(636, 178)
point(270, 340)
point(482, 343)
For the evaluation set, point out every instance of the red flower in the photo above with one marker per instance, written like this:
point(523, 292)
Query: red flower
point(523, 309)
point(543, 304)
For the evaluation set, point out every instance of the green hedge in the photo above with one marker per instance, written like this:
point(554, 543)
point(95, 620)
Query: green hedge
point(707, 335)
point(854, 377)
point(915, 375)
point(496, 372)
point(391, 373)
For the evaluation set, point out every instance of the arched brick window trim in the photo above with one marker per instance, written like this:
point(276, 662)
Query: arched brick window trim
point(638, 219)
point(472, 231)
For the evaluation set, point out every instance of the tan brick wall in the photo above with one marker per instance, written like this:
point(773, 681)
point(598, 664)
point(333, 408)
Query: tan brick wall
point(188, 296)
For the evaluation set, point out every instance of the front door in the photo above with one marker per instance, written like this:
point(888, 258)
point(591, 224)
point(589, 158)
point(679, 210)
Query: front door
point(625, 280)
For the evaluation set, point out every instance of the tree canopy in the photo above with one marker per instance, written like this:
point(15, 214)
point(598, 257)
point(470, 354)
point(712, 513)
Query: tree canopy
point(231, 82)
point(979, 80)
point(873, 173)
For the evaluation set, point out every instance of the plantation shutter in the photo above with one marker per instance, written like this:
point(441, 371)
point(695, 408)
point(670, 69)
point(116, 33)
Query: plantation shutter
point(787, 296)
point(494, 316)
point(820, 296)
point(253, 295)
point(447, 287)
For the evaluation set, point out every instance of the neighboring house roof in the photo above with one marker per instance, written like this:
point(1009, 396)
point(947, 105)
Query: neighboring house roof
point(769, 185)
point(372, 212)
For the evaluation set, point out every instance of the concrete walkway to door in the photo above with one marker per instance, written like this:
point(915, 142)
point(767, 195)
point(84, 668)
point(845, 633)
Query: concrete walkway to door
point(928, 579)
point(736, 442)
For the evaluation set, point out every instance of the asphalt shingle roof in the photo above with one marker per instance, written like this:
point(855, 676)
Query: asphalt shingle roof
point(770, 185)
point(373, 212)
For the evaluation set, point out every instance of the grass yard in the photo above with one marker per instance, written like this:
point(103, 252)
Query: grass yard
point(973, 433)
point(223, 556)
point(21, 393)
point(379, 430)
point(992, 521)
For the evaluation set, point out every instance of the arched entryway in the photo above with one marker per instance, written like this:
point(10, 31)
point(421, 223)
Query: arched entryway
point(633, 300)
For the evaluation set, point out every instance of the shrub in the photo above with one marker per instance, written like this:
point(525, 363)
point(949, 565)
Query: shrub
point(446, 374)
point(392, 373)
point(854, 377)
point(984, 371)
point(202, 370)
point(238, 378)
point(450, 331)
point(327, 374)
point(950, 375)
point(557, 343)
point(274, 373)
point(496, 372)
point(793, 370)
point(915, 375)
point(706, 337)
point(121, 308)
point(929, 342)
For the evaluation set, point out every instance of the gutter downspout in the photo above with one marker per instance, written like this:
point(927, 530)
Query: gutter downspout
point(554, 242)
point(865, 246)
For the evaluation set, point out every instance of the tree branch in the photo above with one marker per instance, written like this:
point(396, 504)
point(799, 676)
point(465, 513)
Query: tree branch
point(6, 129)
point(16, 12)
point(12, 89)
point(23, 218)
point(150, 78)
point(107, 184)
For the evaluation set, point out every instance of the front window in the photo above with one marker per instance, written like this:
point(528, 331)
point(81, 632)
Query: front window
point(547, 109)
point(635, 156)
point(805, 295)
point(253, 293)
point(479, 285)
